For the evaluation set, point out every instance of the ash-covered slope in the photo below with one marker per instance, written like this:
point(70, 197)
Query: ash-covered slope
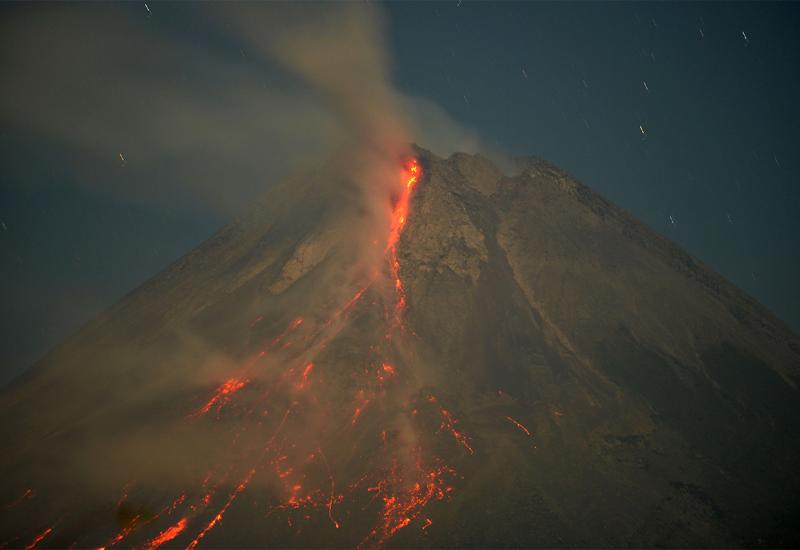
point(527, 365)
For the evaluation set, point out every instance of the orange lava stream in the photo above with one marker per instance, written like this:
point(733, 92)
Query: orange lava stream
point(304, 377)
point(222, 395)
point(168, 534)
point(518, 425)
point(411, 176)
point(127, 530)
point(217, 518)
point(136, 522)
point(39, 538)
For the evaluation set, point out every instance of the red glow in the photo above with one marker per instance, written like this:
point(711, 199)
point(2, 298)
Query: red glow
point(449, 423)
point(401, 506)
point(332, 498)
point(127, 530)
point(222, 395)
point(304, 377)
point(361, 403)
point(291, 328)
point(411, 174)
point(39, 538)
point(518, 425)
point(168, 534)
point(217, 518)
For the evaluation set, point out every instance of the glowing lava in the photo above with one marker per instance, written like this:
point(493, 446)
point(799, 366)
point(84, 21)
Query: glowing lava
point(168, 534)
point(411, 175)
point(304, 377)
point(400, 480)
point(402, 505)
point(518, 425)
point(222, 395)
point(449, 423)
point(39, 538)
point(217, 518)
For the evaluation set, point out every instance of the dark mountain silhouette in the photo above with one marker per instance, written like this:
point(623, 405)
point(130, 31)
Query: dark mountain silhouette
point(524, 365)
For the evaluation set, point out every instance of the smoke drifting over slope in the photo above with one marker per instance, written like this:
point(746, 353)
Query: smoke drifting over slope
point(392, 348)
point(129, 108)
point(151, 116)
point(181, 407)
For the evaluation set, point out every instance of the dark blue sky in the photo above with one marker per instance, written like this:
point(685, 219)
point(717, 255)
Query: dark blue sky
point(714, 166)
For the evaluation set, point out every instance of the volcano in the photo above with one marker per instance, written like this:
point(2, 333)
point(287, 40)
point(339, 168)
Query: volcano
point(523, 365)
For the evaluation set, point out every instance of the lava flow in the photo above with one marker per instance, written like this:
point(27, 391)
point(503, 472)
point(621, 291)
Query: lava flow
point(168, 534)
point(400, 480)
point(411, 175)
point(222, 395)
point(39, 538)
point(218, 517)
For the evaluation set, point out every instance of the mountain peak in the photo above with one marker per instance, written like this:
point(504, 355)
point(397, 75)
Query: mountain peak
point(519, 363)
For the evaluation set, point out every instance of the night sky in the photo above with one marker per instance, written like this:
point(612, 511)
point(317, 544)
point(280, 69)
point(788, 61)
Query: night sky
point(131, 132)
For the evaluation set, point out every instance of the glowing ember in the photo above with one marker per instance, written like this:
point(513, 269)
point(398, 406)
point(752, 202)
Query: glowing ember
point(39, 538)
point(168, 534)
point(292, 327)
point(138, 521)
point(361, 403)
point(217, 518)
point(222, 395)
point(518, 425)
point(127, 530)
point(449, 423)
point(401, 506)
point(304, 377)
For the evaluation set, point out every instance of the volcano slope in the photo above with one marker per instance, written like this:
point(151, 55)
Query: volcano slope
point(525, 365)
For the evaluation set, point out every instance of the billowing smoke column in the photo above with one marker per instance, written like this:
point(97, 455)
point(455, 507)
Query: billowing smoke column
point(338, 51)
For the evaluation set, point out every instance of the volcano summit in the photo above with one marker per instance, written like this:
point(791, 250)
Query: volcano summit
point(523, 364)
